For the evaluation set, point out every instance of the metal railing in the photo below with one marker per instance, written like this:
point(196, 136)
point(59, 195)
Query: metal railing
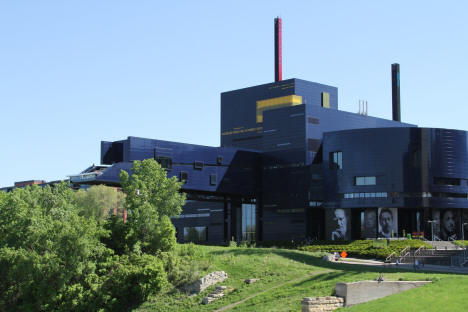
point(82, 177)
point(405, 250)
point(459, 259)
point(402, 259)
point(400, 256)
point(391, 257)
point(419, 251)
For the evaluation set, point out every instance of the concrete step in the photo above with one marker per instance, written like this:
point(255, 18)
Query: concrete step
point(445, 245)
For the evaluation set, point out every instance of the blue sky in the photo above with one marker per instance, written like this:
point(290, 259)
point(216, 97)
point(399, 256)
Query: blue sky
point(73, 73)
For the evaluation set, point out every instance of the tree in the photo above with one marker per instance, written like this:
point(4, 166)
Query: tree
point(52, 257)
point(99, 201)
point(49, 254)
point(151, 199)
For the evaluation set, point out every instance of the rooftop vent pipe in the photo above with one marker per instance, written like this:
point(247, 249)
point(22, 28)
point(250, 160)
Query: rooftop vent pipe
point(278, 50)
point(396, 92)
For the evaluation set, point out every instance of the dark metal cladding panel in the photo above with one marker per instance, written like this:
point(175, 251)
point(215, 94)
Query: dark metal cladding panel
point(112, 152)
point(197, 213)
point(311, 93)
point(284, 129)
point(239, 113)
point(327, 120)
point(237, 173)
point(398, 157)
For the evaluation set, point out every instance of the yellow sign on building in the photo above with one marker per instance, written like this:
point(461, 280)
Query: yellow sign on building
point(278, 102)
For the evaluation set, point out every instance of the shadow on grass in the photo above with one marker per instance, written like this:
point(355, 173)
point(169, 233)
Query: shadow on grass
point(322, 277)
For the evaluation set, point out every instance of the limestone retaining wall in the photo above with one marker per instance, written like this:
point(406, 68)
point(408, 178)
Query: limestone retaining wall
point(321, 304)
point(364, 291)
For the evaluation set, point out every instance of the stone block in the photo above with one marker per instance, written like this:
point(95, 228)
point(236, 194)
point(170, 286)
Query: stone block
point(206, 281)
point(359, 292)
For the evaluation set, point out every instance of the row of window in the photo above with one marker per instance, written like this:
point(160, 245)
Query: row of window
point(166, 162)
point(184, 176)
point(193, 215)
point(195, 234)
point(315, 203)
point(366, 195)
point(398, 195)
point(336, 160)
point(447, 181)
point(365, 180)
point(293, 210)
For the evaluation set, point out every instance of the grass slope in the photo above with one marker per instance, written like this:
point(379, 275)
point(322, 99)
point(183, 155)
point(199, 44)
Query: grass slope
point(287, 276)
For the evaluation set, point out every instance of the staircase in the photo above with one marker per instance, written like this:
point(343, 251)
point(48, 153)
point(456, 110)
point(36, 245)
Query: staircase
point(444, 253)
point(444, 245)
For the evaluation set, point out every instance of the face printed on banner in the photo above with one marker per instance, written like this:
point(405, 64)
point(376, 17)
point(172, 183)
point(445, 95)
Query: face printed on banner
point(386, 222)
point(447, 224)
point(370, 223)
point(340, 225)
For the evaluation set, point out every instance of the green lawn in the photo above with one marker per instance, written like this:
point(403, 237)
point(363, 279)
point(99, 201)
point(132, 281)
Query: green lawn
point(287, 276)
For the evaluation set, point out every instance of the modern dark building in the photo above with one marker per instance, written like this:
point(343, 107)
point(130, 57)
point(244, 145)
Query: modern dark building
point(291, 165)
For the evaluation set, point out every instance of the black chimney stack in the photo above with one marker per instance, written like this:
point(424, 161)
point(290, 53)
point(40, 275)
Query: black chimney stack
point(396, 92)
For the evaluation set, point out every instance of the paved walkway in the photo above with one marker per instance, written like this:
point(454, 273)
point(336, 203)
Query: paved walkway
point(232, 305)
point(427, 267)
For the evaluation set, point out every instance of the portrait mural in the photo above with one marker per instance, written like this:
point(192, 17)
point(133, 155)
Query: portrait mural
point(448, 224)
point(370, 223)
point(464, 220)
point(338, 224)
point(388, 222)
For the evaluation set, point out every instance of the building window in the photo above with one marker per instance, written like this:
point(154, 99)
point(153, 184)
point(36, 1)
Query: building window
point(364, 195)
point(313, 120)
point(213, 179)
point(336, 160)
point(165, 162)
point(325, 99)
point(183, 176)
point(248, 222)
point(195, 234)
point(194, 215)
point(313, 145)
point(198, 165)
point(219, 160)
point(315, 204)
point(446, 181)
point(365, 180)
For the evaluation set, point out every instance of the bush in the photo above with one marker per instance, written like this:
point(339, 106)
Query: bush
point(364, 248)
point(132, 279)
point(117, 237)
point(55, 258)
point(461, 243)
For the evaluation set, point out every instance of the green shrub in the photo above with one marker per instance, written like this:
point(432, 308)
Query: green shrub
point(232, 243)
point(132, 279)
point(117, 237)
point(461, 243)
point(364, 248)
point(55, 258)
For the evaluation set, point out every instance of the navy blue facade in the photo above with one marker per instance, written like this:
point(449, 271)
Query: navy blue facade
point(293, 166)
point(422, 172)
point(426, 157)
point(217, 181)
point(239, 124)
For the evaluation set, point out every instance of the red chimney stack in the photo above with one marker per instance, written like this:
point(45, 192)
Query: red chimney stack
point(278, 50)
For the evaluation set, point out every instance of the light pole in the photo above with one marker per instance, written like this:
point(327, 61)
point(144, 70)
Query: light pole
point(432, 229)
point(463, 233)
